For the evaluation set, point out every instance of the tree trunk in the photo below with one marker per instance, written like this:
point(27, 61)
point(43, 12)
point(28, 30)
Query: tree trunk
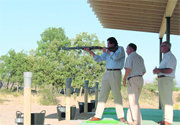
point(17, 87)
point(7, 85)
point(81, 91)
point(12, 86)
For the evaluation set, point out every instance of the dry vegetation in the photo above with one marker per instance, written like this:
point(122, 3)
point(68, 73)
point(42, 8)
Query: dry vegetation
point(12, 102)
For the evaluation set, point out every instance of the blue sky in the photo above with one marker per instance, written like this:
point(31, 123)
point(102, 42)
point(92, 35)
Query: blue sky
point(22, 22)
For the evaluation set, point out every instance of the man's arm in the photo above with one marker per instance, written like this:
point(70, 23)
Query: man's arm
point(90, 52)
point(118, 54)
point(96, 57)
point(164, 70)
point(127, 71)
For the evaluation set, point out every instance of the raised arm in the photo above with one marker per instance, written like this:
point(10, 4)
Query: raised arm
point(118, 54)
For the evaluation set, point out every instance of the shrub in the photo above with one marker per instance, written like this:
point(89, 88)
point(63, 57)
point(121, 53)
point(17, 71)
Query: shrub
point(1, 101)
point(151, 87)
point(176, 89)
point(47, 97)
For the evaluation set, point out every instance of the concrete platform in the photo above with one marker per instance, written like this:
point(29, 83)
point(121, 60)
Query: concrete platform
point(149, 116)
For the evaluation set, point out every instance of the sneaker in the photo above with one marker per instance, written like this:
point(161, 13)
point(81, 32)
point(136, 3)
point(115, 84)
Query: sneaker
point(94, 119)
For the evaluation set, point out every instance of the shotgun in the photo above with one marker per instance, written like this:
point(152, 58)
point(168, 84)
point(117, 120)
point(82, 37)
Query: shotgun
point(113, 49)
point(82, 47)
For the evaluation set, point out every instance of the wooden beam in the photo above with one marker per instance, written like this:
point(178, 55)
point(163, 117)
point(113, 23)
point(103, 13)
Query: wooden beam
point(168, 13)
point(124, 9)
point(129, 15)
point(130, 19)
point(134, 1)
point(130, 23)
point(123, 13)
point(134, 28)
point(130, 29)
point(138, 20)
point(139, 5)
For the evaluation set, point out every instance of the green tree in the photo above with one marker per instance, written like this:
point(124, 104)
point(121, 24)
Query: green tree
point(81, 65)
point(48, 65)
point(51, 65)
point(12, 67)
point(51, 42)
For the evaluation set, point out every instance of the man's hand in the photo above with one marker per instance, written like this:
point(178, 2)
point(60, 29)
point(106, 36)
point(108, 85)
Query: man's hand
point(164, 70)
point(156, 71)
point(127, 72)
point(106, 50)
point(87, 49)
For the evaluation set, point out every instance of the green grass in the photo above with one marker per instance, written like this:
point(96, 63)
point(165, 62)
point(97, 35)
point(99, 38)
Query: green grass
point(6, 92)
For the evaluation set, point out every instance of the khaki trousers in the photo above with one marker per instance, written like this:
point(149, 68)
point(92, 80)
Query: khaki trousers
point(165, 86)
point(135, 85)
point(110, 81)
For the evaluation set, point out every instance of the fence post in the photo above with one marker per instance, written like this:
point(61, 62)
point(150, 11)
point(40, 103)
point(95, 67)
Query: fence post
point(86, 95)
point(96, 94)
point(27, 97)
point(68, 95)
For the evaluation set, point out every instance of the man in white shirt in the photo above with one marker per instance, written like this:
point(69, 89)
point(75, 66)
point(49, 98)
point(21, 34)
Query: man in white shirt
point(166, 74)
point(134, 70)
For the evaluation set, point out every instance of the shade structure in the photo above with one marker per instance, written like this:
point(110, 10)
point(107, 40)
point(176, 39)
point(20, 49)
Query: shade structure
point(138, 15)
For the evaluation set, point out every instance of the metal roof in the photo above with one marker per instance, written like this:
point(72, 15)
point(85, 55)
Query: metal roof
point(138, 15)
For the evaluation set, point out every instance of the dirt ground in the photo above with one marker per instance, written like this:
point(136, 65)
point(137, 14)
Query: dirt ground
point(11, 104)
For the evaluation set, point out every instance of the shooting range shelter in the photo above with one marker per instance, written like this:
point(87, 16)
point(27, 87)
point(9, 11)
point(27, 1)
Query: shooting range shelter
point(155, 16)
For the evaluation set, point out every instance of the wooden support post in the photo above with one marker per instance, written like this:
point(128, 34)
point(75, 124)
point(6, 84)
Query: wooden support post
point(80, 93)
point(160, 53)
point(168, 29)
point(160, 59)
point(27, 97)
point(68, 95)
point(86, 96)
point(96, 94)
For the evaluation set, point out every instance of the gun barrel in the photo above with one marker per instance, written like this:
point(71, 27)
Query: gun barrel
point(82, 47)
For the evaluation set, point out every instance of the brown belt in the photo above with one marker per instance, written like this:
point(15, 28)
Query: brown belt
point(161, 76)
point(134, 76)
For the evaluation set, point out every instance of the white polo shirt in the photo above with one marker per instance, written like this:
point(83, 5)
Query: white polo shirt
point(136, 63)
point(168, 61)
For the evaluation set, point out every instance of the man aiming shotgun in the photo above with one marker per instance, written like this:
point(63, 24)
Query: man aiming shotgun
point(114, 56)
